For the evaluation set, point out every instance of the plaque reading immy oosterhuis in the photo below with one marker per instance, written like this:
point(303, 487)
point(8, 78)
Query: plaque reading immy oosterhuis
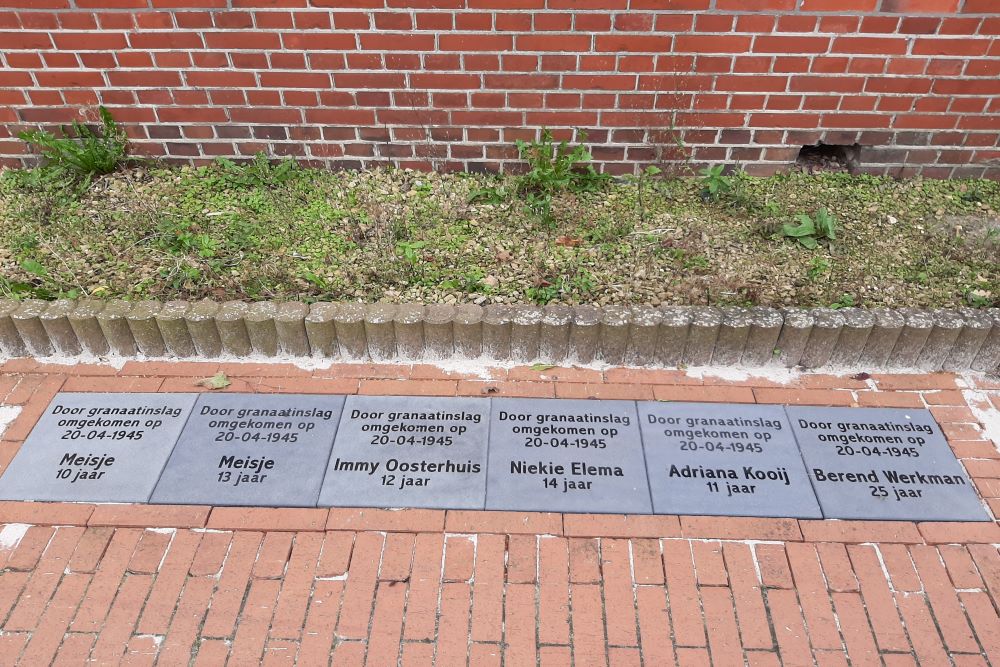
point(97, 447)
point(409, 451)
point(566, 456)
point(883, 463)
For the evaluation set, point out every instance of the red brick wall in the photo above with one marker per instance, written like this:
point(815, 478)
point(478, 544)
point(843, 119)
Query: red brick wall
point(451, 84)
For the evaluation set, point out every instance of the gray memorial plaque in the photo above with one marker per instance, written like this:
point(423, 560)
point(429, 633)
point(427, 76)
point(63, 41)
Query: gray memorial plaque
point(97, 447)
point(725, 460)
point(409, 451)
point(883, 463)
point(252, 449)
point(566, 456)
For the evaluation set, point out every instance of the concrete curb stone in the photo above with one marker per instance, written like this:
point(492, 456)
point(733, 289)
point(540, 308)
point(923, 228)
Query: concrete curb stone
point(849, 338)
point(55, 321)
point(83, 320)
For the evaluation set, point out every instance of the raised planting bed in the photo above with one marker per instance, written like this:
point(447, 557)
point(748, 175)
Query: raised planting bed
point(265, 232)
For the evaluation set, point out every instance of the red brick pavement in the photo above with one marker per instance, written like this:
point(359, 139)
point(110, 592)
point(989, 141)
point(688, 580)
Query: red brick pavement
point(134, 585)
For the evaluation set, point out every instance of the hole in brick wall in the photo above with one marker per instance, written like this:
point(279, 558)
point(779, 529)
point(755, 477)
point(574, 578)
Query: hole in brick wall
point(829, 157)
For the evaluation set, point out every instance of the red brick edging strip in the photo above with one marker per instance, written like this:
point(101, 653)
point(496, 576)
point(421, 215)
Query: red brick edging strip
point(952, 340)
point(268, 519)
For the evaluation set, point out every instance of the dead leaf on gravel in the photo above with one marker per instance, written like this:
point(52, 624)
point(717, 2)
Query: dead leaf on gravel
point(568, 241)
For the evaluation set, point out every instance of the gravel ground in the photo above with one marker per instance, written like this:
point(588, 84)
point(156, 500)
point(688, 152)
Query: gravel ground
point(396, 236)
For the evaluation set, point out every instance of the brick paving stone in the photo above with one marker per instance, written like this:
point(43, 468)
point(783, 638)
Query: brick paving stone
point(90, 549)
point(522, 558)
point(984, 619)
point(693, 657)
point(553, 590)
point(45, 640)
point(349, 654)
point(487, 655)
point(898, 564)
point(961, 570)
point(878, 599)
point(75, 650)
point(336, 554)
point(387, 624)
point(453, 631)
point(121, 619)
point(251, 633)
point(789, 629)
point(685, 605)
point(211, 554)
point(654, 625)
point(233, 582)
point(837, 567)
point(709, 566)
point(459, 558)
point(813, 596)
point(417, 655)
point(920, 623)
point(43, 581)
point(425, 584)
point(29, 549)
point(584, 560)
point(290, 611)
point(169, 581)
point(487, 591)
point(755, 632)
point(184, 626)
point(944, 600)
point(720, 619)
point(273, 555)
point(396, 557)
point(647, 561)
point(359, 595)
point(624, 657)
point(854, 626)
point(619, 600)
point(211, 652)
point(107, 579)
point(589, 645)
point(320, 621)
point(773, 564)
point(149, 552)
point(11, 585)
point(11, 646)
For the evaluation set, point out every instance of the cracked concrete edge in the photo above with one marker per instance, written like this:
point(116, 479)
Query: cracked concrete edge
point(943, 339)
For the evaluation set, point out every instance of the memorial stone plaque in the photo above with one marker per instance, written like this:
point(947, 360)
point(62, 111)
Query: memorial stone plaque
point(409, 451)
point(566, 456)
point(726, 460)
point(252, 449)
point(883, 463)
point(97, 448)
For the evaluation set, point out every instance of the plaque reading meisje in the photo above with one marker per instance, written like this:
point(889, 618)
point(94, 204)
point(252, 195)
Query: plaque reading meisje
point(883, 463)
point(252, 449)
point(732, 460)
point(407, 451)
point(566, 456)
point(97, 447)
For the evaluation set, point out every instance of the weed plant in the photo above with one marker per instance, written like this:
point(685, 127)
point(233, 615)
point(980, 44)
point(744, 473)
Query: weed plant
point(80, 153)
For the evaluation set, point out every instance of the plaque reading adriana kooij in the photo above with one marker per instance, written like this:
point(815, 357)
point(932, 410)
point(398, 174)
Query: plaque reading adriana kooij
point(727, 460)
